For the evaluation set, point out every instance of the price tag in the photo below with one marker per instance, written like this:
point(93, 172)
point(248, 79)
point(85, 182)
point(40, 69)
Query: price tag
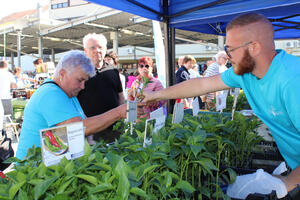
point(157, 113)
point(178, 113)
point(131, 111)
point(159, 123)
point(221, 102)
point(195, 105)
point(149, 125)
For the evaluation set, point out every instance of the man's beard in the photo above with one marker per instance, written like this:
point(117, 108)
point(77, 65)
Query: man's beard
point(246, 65)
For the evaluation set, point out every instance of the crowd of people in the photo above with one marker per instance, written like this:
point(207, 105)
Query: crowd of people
point(88, 87)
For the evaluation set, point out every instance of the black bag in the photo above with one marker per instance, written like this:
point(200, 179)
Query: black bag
point(6, 151)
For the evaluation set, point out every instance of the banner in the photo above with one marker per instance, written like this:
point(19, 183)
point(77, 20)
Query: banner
point(159, 52)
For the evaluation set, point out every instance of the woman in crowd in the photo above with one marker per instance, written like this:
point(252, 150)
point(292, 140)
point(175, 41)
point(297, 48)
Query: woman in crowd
point(131, 79)
point(145, 81)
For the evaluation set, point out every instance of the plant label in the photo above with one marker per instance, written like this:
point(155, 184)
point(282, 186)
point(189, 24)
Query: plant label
point(131, 111)
point(196, 108)
point(157, 113)
point(235, 91)
point(221, 102)
point(149, 125)
point(62, 141)
point(178, 113)
point(159, 123)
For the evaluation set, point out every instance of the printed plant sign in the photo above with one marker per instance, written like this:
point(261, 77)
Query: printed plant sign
point(62, 141)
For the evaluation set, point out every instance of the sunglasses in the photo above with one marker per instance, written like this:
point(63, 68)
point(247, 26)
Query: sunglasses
point(142, 66)
point(233, 49)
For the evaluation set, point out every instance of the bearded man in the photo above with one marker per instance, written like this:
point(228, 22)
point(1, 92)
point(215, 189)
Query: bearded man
point(270, 80)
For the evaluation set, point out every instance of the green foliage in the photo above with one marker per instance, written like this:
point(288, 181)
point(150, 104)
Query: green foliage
point(241, 104)
point(195, 155)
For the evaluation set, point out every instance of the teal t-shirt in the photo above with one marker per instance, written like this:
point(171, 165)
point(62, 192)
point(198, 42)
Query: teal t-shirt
point(48, 106)
point(275, 99)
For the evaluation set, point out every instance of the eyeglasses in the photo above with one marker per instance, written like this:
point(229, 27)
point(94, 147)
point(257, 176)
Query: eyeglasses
point(142, 66)
point(233, 49)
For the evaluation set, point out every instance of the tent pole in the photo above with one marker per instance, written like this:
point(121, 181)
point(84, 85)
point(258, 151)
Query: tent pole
point(169, 42)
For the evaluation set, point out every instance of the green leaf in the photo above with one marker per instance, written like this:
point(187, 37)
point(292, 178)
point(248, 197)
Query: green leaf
point(159, 155)
point(69, 167)
point(35, 181)
point(60, 197)
point(88, 178)
point(123, 187)
point(63, 187)
point(42, 171)
point(22, 195)
point(101, 188)
point(205, 191)
point(42, 187)
point(92, 157)
point(168, 180)
point(232, 175)
point(199, 135)
point(151, 168)
point(15, 188)
point(171, 164)
point(87, 148)
point(195, 149)
point(21, 176)
point(103, 166)
point(139, 192)
point(208, 163)
point(185, 186)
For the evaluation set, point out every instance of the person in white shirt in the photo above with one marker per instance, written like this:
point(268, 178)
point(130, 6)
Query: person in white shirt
point(212, 70)
point(7, 81)
point(22, 80)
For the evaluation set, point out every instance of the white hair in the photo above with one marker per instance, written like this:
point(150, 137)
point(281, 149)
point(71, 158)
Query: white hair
point(220, 53)
point(99, 37)
point(74, 59)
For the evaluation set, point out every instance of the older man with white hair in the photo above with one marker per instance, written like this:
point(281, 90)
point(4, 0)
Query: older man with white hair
point(55, 102)
point(103, 91)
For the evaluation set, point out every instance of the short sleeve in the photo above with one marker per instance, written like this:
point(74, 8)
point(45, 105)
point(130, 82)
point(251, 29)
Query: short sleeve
point(231, 79)
point(57, 107)
point(119, 88)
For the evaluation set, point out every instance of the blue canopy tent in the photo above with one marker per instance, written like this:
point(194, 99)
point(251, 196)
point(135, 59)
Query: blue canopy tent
point(211, 16)
point(208, 16)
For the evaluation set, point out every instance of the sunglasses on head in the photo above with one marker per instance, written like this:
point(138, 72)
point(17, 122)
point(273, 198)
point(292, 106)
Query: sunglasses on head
point(142, 66)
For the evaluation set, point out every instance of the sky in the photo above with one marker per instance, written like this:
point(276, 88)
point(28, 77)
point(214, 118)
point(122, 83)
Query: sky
point(12, 6)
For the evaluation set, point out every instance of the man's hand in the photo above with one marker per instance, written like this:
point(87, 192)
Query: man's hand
point(289, 186)
point(149, 97)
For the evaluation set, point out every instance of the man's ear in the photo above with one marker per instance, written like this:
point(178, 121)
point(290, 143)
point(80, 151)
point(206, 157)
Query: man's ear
point(254, 48)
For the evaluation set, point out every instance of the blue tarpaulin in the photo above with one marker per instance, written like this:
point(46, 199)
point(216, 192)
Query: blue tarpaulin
point(211, 16)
